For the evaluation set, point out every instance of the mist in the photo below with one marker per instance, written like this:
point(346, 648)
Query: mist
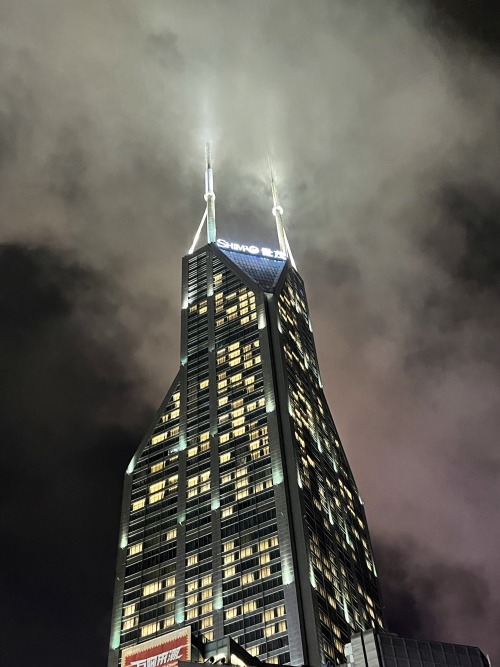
point(382, 118)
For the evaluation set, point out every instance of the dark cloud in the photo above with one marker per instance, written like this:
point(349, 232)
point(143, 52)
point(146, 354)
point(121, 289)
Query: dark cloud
point(382, 118)
point(422, 594)
point(477, 21)
point(70, 411)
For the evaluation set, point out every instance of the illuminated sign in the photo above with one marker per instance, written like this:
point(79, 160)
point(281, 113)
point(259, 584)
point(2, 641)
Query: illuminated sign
point(251, 249)
point(164, 651)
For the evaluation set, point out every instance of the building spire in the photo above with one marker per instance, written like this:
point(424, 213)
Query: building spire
point(209, 196)
point(278, 216)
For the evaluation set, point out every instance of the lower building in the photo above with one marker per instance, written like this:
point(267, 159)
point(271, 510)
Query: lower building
point(379, 648)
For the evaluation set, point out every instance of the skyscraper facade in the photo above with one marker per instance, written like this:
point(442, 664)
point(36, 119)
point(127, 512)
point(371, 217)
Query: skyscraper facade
point(241, 516)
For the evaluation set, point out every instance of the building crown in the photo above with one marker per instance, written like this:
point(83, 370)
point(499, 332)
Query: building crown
point(209, 214)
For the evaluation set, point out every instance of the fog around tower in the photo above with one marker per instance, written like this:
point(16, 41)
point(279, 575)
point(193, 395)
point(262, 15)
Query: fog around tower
point(382, 118)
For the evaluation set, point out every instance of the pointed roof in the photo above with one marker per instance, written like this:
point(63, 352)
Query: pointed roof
point(265, 271)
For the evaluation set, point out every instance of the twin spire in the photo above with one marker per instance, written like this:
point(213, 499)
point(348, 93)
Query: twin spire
point(209, 214)
point(209, 196)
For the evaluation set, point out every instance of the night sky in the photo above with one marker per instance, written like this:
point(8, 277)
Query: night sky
point(383, 117)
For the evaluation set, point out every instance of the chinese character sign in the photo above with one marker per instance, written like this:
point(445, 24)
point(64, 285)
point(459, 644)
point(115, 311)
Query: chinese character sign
point(251, 249)
point(164, 651)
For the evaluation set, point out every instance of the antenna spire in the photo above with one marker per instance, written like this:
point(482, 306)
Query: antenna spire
point(209, 196)
point(278, 213)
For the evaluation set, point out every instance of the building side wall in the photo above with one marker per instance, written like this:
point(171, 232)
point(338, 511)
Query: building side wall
point(341, 571)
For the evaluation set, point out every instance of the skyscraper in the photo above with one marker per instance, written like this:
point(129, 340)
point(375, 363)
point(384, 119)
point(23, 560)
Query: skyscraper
point(241, 516)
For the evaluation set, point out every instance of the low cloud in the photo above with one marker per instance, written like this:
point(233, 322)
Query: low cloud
point(382, 118)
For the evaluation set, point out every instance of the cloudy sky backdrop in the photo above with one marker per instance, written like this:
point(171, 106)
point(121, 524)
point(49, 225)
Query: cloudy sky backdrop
point(383, 118)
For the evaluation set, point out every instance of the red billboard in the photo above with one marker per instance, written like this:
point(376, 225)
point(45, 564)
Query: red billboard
point(164, 651)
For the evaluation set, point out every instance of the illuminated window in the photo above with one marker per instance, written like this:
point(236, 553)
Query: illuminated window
point(207, 594)
point(269, 543)
point(224, 458)
point(158, 466)
point(156, 487)
point(249, 577)
point(271, 614)
point(249, 606)
point(135, 549)
point(170, 535)
point(130, 623)
point(158, 438)
point(261, 486)
point(167, 622)
point(156, 497)
point(151, 588)
point(138, 504)
point(227, 546)
point(227, 511)
point(170, 595)
point(246, 552)
point(275, 628)
point(229, 572)
point(230, 613)
point(207, 622)
point(130, 609)
point(224, 437)
point(192, 560)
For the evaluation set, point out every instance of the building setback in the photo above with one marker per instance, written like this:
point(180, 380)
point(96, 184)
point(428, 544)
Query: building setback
point(241, 517)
